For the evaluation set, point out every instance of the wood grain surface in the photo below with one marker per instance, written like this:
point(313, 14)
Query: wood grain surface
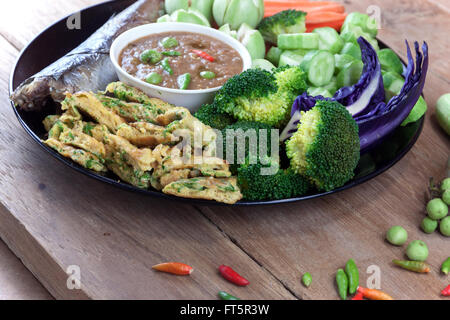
point(53, 217)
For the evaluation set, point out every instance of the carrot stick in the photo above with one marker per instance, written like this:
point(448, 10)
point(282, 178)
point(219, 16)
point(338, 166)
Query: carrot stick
point(324, 19)
point(374, 294)
point(273, 7)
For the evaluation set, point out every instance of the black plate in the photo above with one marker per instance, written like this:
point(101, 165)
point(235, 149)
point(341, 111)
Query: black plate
point(57, 40)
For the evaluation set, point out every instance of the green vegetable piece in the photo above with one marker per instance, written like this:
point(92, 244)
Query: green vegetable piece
point(393, 83)
point(283, 184)
point(366, 23)
point(445, 184)
point(262, 96)
point(428, 225)
point(437, 209)
point(166, 66)
point(351, 34)
point(445, 268)
point(443, 112)
point(307, 279)
point(154, 78)
point(329, 40)
point(444, 227)
point(353, 276)
point(273, 55)
point(390, 61)
point(209, 115)
point(290, 58)
point(227, 30)
point(342, 61)
point(253, 41)
point(226, 296)
point(342, 283)
point(350, 75)
point(207, 74)
point(151, 56)
point(315, 91)
point(184, 81)
point(352, 50)
point(172, 53)
point(446, 197)
point(190, 16)
point(204, 7)
point(172, 5)
point(169, 42)
point(287, 21)
point(237, 12)
point(417, 250)
point(332, 86)
point(397, 235)
point(164, 18)
point(263, 64)
point(298, 41)
point(319, 66)
point(417, 112)
point(326, 146)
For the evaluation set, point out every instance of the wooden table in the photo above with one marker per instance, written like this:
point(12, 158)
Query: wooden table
point(53, 217)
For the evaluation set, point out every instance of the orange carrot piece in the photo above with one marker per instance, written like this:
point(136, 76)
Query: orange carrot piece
point(177, 268)
point(324, 19)
point(374, 294)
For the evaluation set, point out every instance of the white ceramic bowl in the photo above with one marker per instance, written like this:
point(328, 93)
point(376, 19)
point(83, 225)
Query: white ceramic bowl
point(191, 99)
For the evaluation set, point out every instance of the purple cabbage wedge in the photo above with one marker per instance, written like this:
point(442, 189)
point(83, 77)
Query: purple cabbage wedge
point(369, 91)
point(365, 100)
point(385, 117)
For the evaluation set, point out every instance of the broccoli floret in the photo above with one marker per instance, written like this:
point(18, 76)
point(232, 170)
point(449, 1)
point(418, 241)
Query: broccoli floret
point(209, 115)
point(243, 138)
point(287, 21)
point(326, 146)
point(261, 96)
point(282, 184)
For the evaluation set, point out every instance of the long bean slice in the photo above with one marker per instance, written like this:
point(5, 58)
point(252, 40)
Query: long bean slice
point(166, 66)
point(184, 81)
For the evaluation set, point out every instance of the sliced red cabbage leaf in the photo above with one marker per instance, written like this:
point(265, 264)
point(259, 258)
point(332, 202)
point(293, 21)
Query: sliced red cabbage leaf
point(369, 90)
point(384, 118)
point(378, 118)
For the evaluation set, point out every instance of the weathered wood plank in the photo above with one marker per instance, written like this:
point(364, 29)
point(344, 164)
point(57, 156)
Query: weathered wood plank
point(24, 19)
point(16, 281)
point(320, 235)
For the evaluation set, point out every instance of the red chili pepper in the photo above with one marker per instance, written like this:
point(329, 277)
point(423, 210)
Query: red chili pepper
point(233, 276)
point(358, 296)
point(446, 291)
point(177, 268)
point(203, 55)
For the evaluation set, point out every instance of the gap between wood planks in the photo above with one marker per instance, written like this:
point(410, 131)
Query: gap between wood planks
point(236, 243)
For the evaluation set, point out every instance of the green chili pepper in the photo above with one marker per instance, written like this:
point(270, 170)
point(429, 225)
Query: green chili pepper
point(416, 266)
point(184, 80)
point(154, 78)
point(342, 283)
point(169, 42)
point(307, 279)
point(166, 66)
point(353, 276)
point(207, 74)
point(171, 53)
point(226, 296)
point(446, 266)
point(151, 56)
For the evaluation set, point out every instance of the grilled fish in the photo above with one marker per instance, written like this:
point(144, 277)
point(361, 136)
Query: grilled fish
point(87, 67)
